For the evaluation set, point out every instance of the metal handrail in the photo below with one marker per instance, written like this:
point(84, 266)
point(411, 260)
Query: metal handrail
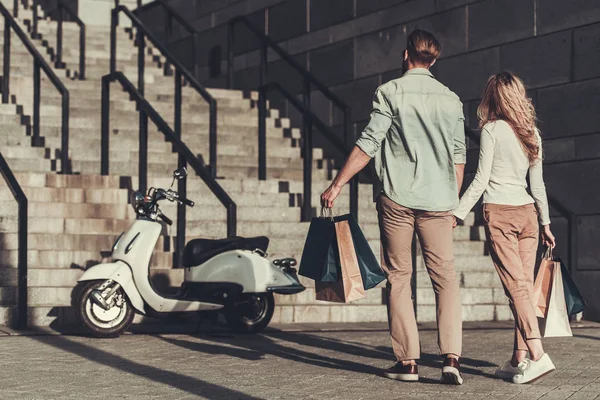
point(142, 32)
point(312, 119)
point(39, 63)
point(185, 154)
point(61, 6)
point(21, 199)
point(308, 119)
point(556, 205)
point(309, 79)
point(169, 15)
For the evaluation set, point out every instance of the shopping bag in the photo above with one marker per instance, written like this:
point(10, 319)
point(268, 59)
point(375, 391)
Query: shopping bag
point(575, 302)
point(318, 260)
point(370, 270)
point(350, 286)
point(556, 323)
point(542, 287)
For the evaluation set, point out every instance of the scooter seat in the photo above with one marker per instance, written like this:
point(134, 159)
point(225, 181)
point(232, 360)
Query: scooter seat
point(198, 251)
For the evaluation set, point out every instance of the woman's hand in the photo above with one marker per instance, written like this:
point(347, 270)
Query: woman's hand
point(454, 222)
point(329, 195)
point(547, 237)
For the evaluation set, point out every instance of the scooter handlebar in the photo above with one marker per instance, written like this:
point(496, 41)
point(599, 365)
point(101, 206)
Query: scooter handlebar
point(166, 219)
point(187, 202)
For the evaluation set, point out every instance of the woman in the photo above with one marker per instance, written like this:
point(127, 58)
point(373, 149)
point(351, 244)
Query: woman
point(510, 148)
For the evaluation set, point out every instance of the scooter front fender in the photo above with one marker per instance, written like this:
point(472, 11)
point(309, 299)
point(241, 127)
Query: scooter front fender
point(120, 273)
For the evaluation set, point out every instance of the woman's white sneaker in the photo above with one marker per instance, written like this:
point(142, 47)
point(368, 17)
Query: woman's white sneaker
point(530, 370)
point(507, 371)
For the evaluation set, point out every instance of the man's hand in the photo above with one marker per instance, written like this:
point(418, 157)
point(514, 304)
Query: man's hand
point(454, 222)
point(329, 195)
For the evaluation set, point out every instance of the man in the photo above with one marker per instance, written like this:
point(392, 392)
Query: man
point(416, 135)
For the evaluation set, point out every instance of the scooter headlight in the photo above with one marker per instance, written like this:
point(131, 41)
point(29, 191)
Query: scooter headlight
point(136, 200)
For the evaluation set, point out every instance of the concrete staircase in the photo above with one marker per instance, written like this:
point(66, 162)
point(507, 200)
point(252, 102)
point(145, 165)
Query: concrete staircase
point(75, 219)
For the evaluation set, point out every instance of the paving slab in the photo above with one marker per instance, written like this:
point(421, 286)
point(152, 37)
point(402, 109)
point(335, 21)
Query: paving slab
point(304, 362)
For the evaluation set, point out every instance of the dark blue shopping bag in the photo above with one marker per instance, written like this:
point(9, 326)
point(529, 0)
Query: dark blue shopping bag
point(321, 252)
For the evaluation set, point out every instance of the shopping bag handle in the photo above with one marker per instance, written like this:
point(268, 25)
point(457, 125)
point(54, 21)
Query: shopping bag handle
point(326, 213)
point(549, 253)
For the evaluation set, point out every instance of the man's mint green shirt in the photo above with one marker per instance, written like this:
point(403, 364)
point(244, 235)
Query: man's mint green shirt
point(416, 135)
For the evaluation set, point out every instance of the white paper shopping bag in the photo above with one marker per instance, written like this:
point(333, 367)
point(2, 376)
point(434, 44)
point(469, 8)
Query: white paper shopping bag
point(556, 323)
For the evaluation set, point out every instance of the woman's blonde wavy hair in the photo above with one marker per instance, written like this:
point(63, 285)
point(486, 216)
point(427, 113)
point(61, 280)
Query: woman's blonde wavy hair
point(505, 98)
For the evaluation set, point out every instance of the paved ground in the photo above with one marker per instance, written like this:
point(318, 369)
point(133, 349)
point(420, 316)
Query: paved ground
point(280, 365)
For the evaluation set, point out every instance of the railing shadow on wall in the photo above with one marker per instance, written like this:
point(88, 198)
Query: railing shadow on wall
point(60, 10)
point(170, 15)
point(307, 141)
point(142, 33)
point(19, 195)
point(309, 81)
point(173, 136)
point(39, 63)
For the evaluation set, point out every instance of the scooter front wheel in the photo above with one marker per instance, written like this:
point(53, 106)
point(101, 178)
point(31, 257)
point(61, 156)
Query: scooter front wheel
point(251, 312)
point(96, 320)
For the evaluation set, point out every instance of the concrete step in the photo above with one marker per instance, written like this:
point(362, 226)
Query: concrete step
point(90, 181)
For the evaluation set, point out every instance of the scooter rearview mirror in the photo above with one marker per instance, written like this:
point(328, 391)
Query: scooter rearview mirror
point(180, 173)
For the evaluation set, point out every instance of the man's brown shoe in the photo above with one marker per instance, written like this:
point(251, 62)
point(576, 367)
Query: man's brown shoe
point(451, 372)
point(405, 373)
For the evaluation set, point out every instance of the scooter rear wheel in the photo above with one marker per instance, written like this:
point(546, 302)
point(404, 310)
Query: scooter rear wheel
point(97, 321)
point(251, 313)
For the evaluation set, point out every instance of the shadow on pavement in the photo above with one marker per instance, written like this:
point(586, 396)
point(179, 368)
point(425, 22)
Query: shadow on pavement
point(182, 382)
point(264, 344)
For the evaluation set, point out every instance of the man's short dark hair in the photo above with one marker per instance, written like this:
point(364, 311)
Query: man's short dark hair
point(423, 48)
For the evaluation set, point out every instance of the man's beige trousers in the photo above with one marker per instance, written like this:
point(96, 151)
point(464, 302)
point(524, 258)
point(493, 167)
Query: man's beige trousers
point(434, 229)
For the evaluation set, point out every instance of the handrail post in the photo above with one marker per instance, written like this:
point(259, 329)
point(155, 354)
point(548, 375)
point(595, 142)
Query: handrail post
point(230, 78)
point(263, 63)
point(308, 157)
point(6, 65)
point(64, 150)
point(143, 153)
point(35, 140)
point(572, 232)
point(212, 132)
point(195, 67)
point(232, 220)
point(354, 183)
point(181, 184)
point(105, 126)
point(262, 132)
point(22, 318)
point(34, 28)
point(59, 37)
point(82, 52)
point(16, 8)
point(114, 21)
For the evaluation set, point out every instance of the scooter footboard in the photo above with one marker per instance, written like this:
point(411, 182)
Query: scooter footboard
point(120, 273)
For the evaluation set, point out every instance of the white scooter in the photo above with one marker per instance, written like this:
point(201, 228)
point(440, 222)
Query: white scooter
point(230, 275)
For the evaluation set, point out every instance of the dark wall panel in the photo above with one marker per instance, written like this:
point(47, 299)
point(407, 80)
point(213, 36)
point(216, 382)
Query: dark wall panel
point(380, 51)
point(449, 27)
point(569, 109)
point(554, 15)
point(541, 61)
point(587, 52)
point(287, 20)
point(359, 97)
point(368, 6)
point(494, 22)
point(333, 64)
point(325, 13)
point(467, 74)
